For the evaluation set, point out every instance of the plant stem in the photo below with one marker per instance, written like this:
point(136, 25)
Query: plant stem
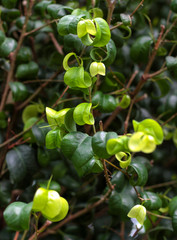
point(168, 120)
point(14, 55)
point(111, 187)
point(24, 235)
point(161, 185)
point(16, 236)
point(111, 5)
point(56, 44)
point(159, 216)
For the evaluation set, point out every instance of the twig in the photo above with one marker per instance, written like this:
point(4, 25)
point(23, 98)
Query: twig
point(111, 187)
point(73, 216)
point(128, 116)
point(132, 78)
point(39, 28)
point(131, 15)
point(168, 120)
point(56, 44)
point(12, 67)
point(16, 236)
point(159, 216)
point(111, 6)
point(161, 185)
point(111, 117)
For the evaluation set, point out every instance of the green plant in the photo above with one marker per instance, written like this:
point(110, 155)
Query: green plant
point(93, 105)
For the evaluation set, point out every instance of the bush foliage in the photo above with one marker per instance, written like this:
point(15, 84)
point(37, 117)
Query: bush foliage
point(88, 119)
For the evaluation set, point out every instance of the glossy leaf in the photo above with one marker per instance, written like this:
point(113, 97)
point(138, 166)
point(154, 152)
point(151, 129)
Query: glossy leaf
point(99, 141)
point(9, 14)
point(32, 110)
point(17, 215)
point(117, 145)
point(152, 200)
point(77, 147)
point(56, 118)
point(141, 142)
point(125, 101)
point(21, 163)
point(126, 19)
point(53, 138)
point(69, 121)
point(21, 21)
point(43, 157)
point(24, 55)
point(104, 102)
point(9, 3)
point(97, 68)
point(66, 59)
point(27, 70)
point(68, 24)
point(42, 6)
point(138, 212)
point(8, 46)
point(82, 114)
point(106, 56)
point(63, 212)
point(119, 180)
point(139, 174)
point(19, 91)
point(149, 127)
point(2, 37)
point(53, 185)
point(57, 10)
point(174, 221)
point(127, 159)
point(173, 6)
point(140, 49)
point(47, 202)
point(39, 132)
point(97, 12)
point(172, 206)
point(72, 43)
point(5, 192)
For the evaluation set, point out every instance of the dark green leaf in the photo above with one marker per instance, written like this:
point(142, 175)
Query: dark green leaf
point(9, 14)
point(24, 55)
point(27, 70)
point(174, 221)
point(41, 7)
point(2, 37)
point(39, 132)
point(5, 192)
point(172, 206)
point(7, 47)
point(140, 49)
point(9, 3)
point(99, 141)
point(69, 121)
point(17, 215)
point(126, 19)
point(154, 202)
point(21, 21)
point(77, 147)
point(68, 24)
point(118, 179)
point(43, 157)
point(19, 91)
point(173, 6)
point(21, 163)
point(57, 10)
point(139, 173)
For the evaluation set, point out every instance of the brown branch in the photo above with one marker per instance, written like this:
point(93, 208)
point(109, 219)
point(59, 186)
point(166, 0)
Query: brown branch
point(111, 187)
point(128, 116)
point(16, 236)
point(131, 79)
point(161, 185)
point(111, 5)
point(39, 28)
point(131, 15)
point(112, 117)
point(73, 216)
point(12, 67)
point(168, 120)
point(56, 44)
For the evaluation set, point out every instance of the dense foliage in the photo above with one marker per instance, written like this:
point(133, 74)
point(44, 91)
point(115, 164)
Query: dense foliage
point(88, 119)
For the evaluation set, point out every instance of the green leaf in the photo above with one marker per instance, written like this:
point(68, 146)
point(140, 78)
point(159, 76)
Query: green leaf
point(21, 163)
point(39, 132)
point(2, 37)
point(9, 3)
point(66, 59)
point(81, 28)
point(17, 215)
point(172, 206)
point(99, 141)
point(72, 43)
point(174, 221)
point(164, 86)
point(24, 55)
point(27, 70)
point(175, 137)
point(119, 204)
point(68, 24)
point(77, 147)
point(117, 145)
point(140, 49)
point(173, 6)
point(171, 63)
point(28, 136)
point(63, 212)
point(41, 7)
point(32, 110)
point(107, 56)
point(53, 138)
point(126, 19)
point(104, 102)
point(139, 173)
point(57, 10)
point(69, 121)
point(8, 46)
point(47, 202)
point(9, 14)
point(76, 77)
point(19, 91)
point(138, 212)
point(149, 127)
point(43, 157)
point(82, 114)
point(97, 68)
point(127, 159)
point(56, 118)
point(21, 21)
point(3, 120)
point(153, 201)
point(141, 142)
point(96, 12)
point(118, 179)
point(5, 192)
point(125, 101)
